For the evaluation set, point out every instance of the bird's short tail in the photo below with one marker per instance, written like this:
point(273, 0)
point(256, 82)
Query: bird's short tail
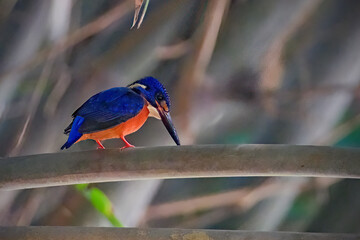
point(74, 133)
point(66, 145)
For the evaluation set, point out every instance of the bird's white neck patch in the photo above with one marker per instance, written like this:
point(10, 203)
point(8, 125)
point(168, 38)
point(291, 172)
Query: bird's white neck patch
point(137, 85)
point(153, 112)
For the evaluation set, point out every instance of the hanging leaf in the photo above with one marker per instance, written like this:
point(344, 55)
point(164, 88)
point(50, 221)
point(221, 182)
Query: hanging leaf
point(100, 202)
point(138, 4)
point(82, 186)
point(143, 13)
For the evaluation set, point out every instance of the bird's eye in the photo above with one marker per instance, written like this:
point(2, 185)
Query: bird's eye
point(159, 97)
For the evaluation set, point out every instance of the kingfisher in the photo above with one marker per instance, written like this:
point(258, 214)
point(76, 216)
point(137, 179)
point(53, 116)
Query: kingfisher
point(120, 111)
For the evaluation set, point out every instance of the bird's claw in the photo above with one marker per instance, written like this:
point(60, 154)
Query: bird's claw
point(127, 146)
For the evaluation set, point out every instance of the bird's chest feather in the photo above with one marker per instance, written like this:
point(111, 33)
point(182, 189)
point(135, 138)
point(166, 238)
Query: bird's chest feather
point(123, 129)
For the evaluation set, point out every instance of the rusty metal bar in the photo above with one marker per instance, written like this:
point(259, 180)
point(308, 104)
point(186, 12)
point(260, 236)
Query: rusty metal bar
point(91, 233)
point(178, 162)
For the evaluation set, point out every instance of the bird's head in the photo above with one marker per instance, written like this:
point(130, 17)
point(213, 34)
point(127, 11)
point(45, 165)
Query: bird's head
point(159, 102)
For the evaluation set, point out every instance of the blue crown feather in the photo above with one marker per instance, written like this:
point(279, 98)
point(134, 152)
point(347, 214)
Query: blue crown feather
point(153, 87)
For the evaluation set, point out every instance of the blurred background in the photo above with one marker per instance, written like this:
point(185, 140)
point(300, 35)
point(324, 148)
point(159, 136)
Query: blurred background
point(238, 71)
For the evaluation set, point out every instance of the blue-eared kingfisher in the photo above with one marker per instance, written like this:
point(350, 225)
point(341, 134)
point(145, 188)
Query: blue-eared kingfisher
point(120, 111)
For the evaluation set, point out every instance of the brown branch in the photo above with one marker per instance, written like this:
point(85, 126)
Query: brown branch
point(210, 209)
point(196, 65)
point(79, 35)
point(65, 168)
point(70, 233)
point(174, 51)
point(340, 131)
point(188, 206)
point(243, 199)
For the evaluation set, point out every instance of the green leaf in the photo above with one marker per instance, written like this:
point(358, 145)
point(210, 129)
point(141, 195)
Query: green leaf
point(100, 202)
point(114, 221)
point(81, 187)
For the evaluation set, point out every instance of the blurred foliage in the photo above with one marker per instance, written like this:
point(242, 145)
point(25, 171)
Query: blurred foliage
point(280, 71)
point(350, 140)
point(100, 202)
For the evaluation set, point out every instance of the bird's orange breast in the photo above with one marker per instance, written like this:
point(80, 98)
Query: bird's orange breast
point(121, 130)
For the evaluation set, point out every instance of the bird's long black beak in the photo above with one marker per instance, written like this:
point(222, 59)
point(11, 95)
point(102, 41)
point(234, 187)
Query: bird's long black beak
point(166, 119)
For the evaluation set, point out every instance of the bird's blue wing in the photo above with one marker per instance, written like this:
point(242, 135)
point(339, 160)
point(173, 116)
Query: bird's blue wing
point(108, 109)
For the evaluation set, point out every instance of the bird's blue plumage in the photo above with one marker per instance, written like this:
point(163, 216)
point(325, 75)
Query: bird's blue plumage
point(108, 109)
point(74, 134)
point(153, 88)
point(99, 116)
point(102, 111)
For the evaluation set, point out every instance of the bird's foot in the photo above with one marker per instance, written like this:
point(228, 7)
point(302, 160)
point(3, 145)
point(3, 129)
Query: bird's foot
point(100, 146)
point(127, 146)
